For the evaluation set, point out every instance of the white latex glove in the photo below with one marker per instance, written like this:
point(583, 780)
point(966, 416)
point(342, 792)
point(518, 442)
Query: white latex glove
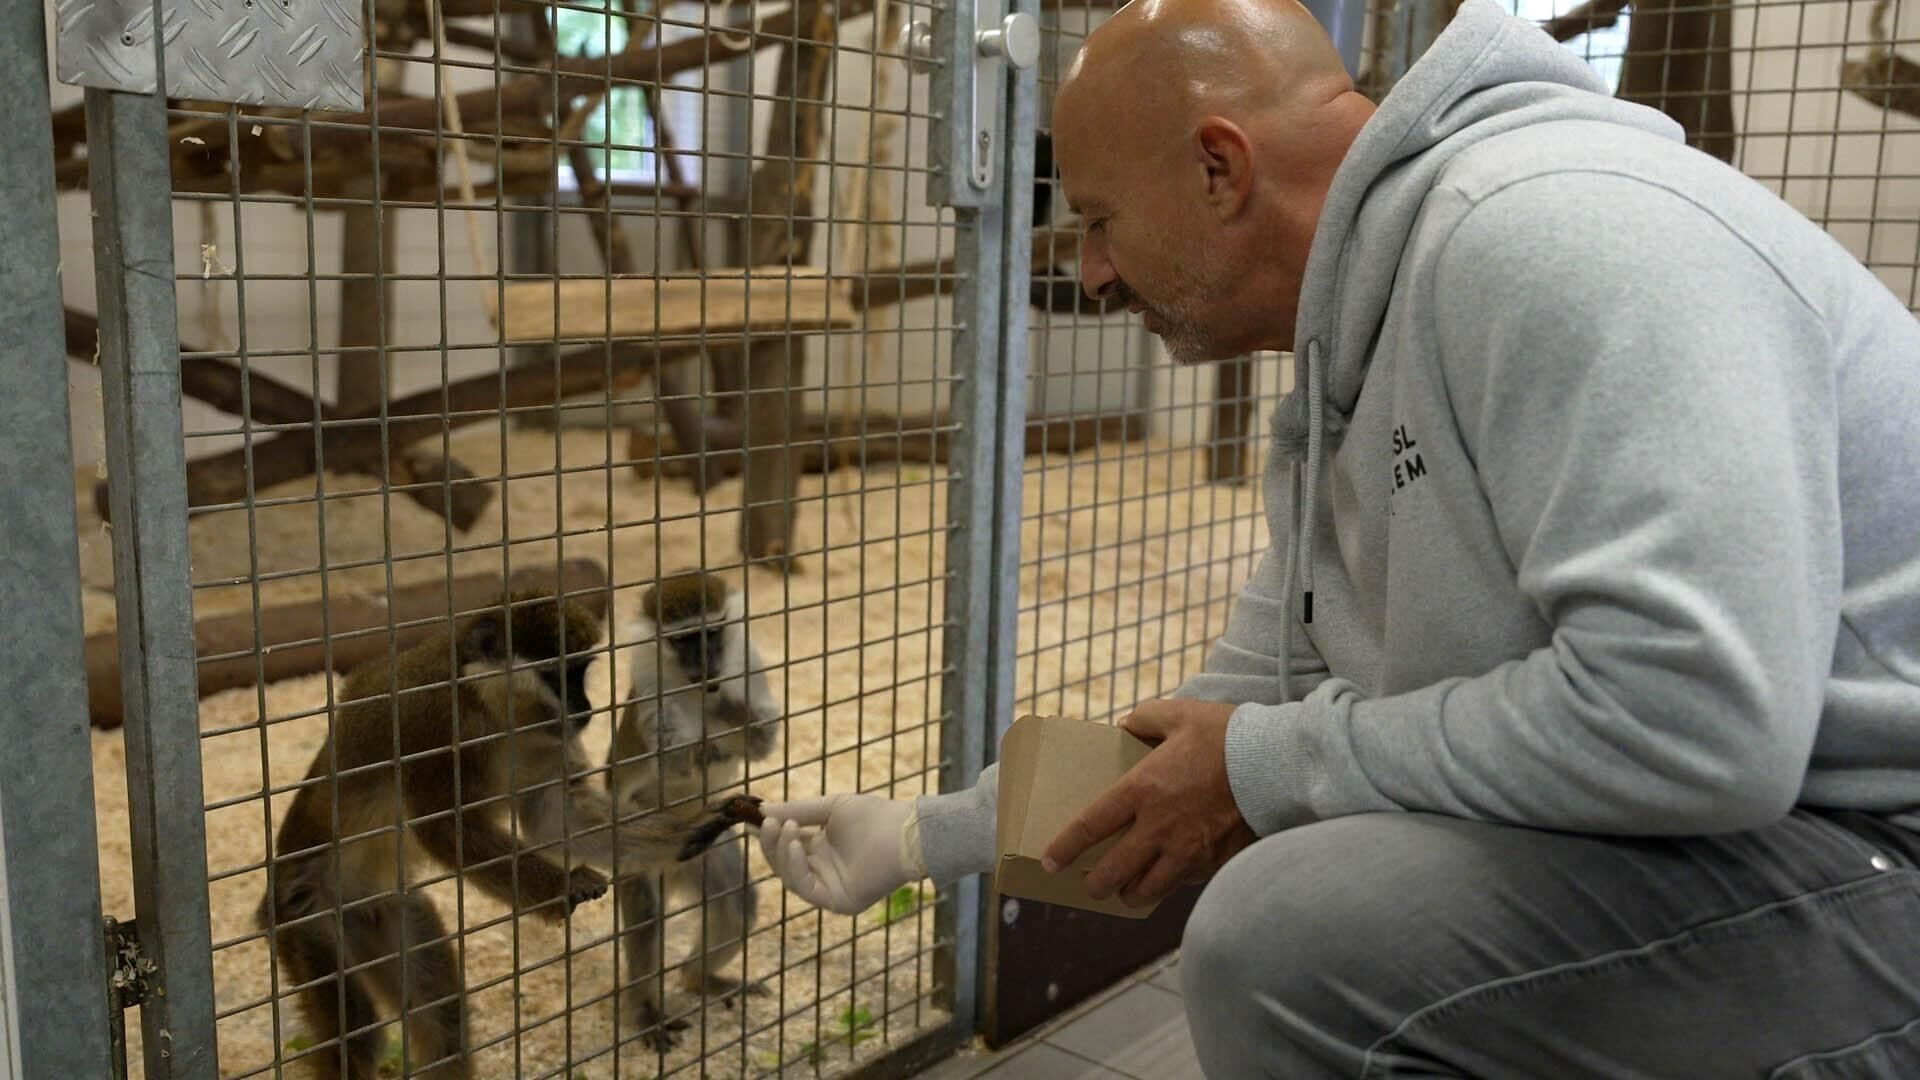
point(844, 853)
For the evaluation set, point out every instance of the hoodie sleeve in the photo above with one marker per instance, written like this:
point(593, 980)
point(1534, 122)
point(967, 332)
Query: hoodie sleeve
point(1242, 666)
point(1650, 408)
point(956, 828)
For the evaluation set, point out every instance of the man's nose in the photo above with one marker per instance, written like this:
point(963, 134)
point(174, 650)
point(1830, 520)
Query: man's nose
point(1096, 273)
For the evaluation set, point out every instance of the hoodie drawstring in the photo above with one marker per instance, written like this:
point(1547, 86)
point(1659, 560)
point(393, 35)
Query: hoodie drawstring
point(1286, 587)
point(1300, 537)
point(1316, 392)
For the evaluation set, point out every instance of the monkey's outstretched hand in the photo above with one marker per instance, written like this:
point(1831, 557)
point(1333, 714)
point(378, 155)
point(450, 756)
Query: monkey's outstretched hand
point(843, 853)
point(584, 883)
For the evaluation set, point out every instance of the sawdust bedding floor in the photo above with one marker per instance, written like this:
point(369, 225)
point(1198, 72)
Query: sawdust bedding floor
point(1130, 558)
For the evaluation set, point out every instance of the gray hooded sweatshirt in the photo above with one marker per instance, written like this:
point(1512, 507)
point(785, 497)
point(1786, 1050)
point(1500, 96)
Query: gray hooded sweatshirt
point(1599, 506)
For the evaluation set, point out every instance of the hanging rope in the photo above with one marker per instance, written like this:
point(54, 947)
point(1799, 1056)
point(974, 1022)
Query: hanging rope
point(451, 102)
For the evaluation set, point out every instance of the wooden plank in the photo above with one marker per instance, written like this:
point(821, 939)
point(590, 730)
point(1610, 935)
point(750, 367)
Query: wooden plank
point(725, 304)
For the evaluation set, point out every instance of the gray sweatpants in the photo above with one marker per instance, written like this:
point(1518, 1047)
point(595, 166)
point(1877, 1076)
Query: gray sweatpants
point(1392, 945)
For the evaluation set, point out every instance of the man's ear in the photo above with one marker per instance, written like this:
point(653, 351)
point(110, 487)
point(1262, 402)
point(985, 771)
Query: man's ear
point(1227, 156)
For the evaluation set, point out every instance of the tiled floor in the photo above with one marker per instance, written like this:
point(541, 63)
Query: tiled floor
point(1134, 1031)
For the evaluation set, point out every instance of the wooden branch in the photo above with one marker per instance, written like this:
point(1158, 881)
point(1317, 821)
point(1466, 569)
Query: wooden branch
point(1884, 78)
point(348, 446)
point(508, 48)
point(367, 250)
point(826, 443)
point(1232, 412)
point(1679, 60)
point(215, 382)
point(579, 75)
point(1588, 17)
point(781, 227)
point(294, 638)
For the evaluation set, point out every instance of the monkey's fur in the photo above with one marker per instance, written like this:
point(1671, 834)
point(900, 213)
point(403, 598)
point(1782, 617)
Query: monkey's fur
point(521, 705)
point(698, 709)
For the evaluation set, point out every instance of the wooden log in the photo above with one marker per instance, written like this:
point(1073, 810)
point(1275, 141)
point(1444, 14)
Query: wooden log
point(1884, 78)
point(216, 382)
point(825, 444)
point(580, 75)
point(1232, 412)
point(361, 380)
point(764, 301)
point(780, 228)
point(1679, 59)
point(294, 638)
point(1588, 17)
point(356, 447)
point(441, 485)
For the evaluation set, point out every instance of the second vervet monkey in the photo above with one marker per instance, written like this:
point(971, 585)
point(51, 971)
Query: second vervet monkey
point(698, 709)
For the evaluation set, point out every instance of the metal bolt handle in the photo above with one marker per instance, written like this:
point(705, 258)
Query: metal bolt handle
point(1017, 39)
point(916, 41)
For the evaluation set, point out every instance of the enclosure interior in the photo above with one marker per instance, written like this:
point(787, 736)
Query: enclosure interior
point(384, 278)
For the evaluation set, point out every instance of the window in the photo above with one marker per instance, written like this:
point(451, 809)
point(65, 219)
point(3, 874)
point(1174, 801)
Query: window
point(1602, 49)
point(622, 119)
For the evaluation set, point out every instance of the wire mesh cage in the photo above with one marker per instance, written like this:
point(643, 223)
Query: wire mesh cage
point(595, 294)
point(591, 294)
point(1817, 101)
point(1136, 536)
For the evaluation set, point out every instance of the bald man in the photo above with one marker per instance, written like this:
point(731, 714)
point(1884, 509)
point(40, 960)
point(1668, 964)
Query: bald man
point(1572, 725)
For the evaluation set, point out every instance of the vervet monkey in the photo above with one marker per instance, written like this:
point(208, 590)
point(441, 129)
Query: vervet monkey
point(415, 767)
point(697, 710)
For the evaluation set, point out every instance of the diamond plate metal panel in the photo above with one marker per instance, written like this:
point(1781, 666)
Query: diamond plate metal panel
point(304, 54)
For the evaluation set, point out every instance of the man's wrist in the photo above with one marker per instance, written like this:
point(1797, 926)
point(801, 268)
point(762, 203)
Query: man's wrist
point(1270, 768)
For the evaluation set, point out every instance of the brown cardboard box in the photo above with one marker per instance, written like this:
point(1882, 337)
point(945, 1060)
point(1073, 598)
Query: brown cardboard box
point(1052, 768)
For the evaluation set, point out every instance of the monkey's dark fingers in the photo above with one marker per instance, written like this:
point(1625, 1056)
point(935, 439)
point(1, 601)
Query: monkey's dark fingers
point(732, 997)
point(584, 883)
point(744, 809)
point(702, 836)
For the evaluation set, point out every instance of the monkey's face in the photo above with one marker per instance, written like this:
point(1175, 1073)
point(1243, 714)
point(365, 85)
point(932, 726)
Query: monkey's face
point(700, 651)
point(555, 641)
point(568, 682)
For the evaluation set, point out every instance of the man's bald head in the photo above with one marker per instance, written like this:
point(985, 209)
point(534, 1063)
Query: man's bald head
point(1194, 136)
point(1214, 55)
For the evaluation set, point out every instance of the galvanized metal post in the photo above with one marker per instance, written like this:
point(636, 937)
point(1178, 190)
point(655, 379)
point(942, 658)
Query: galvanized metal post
point(1345, 22)
point(1013, 277)
point(50, 932)
point(131, 189)
point(967, 691)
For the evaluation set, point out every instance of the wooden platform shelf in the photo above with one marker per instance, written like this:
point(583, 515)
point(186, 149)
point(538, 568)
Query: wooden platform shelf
point(726, 304)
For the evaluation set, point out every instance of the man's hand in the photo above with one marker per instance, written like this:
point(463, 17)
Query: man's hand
point(1184, 822)
point(843, 853)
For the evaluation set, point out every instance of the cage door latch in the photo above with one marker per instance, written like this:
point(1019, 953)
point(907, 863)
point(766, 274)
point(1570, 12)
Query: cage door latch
point(970, 68)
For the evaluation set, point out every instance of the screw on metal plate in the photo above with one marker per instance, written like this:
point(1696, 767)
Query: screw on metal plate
point(1009, 911)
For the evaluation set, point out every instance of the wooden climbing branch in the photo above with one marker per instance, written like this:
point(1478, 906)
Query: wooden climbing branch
point(357, 444)
point(780, 227)
point(1679, 59)
point(1884, 78)
point(298, 638)
point(218, 383)
point(1588, 17)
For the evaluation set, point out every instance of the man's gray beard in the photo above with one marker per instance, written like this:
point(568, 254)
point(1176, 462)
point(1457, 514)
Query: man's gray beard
point(1186, 340)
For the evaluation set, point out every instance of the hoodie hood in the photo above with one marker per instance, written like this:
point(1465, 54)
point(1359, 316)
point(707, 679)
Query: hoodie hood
point(1488, 73)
